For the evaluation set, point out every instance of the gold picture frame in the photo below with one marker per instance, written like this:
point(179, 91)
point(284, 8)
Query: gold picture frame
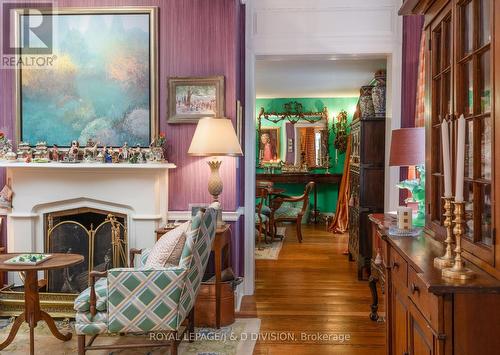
point(273, 151)
point(151, 11)
point(208, 93)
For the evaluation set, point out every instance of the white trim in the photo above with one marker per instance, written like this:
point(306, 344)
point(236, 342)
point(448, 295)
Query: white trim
point(145, 217)
point(310, 42)
point(228, 216)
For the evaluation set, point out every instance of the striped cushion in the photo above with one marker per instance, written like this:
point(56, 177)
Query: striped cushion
point(82, 302)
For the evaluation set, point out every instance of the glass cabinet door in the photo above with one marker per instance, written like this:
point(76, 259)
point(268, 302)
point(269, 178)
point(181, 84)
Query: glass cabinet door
point(441, 87)
point(473, 100)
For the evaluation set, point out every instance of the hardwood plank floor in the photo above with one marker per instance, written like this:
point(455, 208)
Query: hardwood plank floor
point(312, 290)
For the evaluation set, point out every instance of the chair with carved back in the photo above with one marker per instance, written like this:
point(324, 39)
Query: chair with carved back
point(261, 219)
point(290, 209)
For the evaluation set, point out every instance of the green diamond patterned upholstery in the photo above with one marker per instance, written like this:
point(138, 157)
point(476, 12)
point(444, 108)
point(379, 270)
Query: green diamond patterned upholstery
point(152, 299)
point(82, 301)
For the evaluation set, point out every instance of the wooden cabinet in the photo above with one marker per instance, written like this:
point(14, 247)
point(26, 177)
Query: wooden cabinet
point(462, 62)
point(426, 314)
point(366, 186)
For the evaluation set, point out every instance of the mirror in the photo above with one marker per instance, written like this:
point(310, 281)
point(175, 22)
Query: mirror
point(293, 138)
point(311, 144)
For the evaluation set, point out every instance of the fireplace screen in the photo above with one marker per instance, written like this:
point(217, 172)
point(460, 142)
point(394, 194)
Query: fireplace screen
point(101, 237)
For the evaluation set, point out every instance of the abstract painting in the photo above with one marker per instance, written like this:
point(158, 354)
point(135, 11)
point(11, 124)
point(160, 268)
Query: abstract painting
point(193, 98)
point(101, 85)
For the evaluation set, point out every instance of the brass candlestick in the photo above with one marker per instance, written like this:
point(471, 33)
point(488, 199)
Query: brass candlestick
point(458, 271)
point(446, 261)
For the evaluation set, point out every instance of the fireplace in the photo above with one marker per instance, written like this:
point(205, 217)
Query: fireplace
point(100, 236)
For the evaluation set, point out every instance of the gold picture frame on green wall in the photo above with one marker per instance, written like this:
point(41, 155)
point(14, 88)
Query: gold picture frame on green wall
point(269, 144)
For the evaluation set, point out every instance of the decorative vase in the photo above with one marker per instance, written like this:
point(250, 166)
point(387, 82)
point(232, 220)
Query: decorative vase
point(366, 102)
point(378, 94)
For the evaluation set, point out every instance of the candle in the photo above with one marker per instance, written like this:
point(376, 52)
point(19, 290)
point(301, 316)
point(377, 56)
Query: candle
point(445, 138)
point(405, 215)
point(459, 182)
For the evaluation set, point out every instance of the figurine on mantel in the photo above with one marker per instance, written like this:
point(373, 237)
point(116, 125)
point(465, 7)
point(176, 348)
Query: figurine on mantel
point(41, 154)
point(73, 152)
point(90, 151)
point(55, 153)
point(24, 152)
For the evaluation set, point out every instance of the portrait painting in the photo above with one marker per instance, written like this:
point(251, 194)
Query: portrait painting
point(269, 144)
point(193, 98)
point(101, 85)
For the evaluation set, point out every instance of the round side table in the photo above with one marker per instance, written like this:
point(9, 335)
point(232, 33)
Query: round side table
point(32, 312)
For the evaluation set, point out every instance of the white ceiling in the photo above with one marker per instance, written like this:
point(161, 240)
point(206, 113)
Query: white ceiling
point(278, 78)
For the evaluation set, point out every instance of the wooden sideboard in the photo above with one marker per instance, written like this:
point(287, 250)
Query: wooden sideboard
point(425, 313)
point(304, 178)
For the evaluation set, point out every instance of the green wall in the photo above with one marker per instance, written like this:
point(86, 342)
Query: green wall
point(327, 194)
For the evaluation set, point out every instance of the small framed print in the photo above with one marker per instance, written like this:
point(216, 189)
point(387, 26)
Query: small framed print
point(192, 98)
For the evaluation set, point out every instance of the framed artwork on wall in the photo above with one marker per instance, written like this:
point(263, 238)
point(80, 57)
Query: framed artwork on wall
point(102, 84)
point(192, 98)
point(269, 146)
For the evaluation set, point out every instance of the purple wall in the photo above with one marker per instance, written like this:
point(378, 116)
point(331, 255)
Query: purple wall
point(196, 38)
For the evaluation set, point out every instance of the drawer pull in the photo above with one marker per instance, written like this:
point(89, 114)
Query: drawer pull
point(414, 288)
point(395, 265)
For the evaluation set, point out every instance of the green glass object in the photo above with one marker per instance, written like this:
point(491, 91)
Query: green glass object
point(417, 189)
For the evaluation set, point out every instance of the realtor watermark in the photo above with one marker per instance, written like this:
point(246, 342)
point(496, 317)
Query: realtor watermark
point(27, 38)
point(282, 337)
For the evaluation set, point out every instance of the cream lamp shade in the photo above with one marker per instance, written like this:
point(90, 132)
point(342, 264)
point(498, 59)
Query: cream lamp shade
point(215, 137)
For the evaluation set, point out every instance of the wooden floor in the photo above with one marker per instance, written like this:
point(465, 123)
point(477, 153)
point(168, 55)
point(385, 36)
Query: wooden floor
point(312, 289)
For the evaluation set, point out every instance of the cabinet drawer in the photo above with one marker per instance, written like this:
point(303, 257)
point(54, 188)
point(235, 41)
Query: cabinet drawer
point(427, 303)
point(399, 268)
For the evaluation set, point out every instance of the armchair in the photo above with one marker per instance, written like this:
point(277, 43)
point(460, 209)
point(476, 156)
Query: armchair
point(142, 300)
point(286, 209)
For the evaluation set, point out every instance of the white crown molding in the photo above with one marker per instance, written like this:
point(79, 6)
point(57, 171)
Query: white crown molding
point(227, 216)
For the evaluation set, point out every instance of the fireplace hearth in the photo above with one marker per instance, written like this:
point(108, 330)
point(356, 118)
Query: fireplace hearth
point(100, 236)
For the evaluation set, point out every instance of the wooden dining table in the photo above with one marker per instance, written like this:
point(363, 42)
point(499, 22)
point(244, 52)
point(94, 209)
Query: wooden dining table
point(32, 312)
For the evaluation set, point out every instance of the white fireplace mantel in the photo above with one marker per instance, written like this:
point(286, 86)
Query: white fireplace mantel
point(139, 191)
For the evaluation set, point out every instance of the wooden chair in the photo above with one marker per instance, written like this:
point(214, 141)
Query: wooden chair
point(285, 209)
point(261, 219)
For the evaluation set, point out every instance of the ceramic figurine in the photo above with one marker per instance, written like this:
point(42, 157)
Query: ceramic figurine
point(5, 145)
point(55, 153)
point(41, 153)
point(124, 151)
point(100, 158)
point(73, 152)
point(107, 155)
point(10, 156)
point(90, 151)
point(23, 151)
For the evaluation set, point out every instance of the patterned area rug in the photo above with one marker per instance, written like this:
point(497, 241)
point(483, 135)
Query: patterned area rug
point(271, 251)
point(235, 339)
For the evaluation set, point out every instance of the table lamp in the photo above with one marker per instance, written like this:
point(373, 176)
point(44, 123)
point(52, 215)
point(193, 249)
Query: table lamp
point(408, 149)
point(215, 137)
